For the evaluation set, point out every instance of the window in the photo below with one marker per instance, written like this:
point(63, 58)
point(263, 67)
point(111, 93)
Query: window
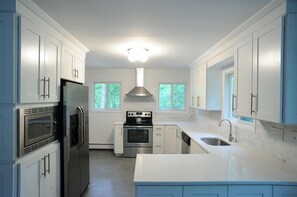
point(228, 99)
point(107, 96)
point(172, 96)
point(229, 93)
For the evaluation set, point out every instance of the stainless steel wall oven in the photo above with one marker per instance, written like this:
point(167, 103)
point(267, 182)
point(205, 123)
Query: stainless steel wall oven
point(36, 128)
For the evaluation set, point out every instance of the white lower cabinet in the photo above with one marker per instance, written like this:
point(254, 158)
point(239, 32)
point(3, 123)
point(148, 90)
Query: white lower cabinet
point(159, 191)
point(170, 139)
point(118, 140)
point(178, 147)
point(217, 190)
point(285, 191)
point(203, 191)
point(195, 148)
point(39, 173)
point(250, 191)
point(158, 139)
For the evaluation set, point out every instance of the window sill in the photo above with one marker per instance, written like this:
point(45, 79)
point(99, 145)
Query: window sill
point(169, 111)
point(106, 111)
point(245, 126)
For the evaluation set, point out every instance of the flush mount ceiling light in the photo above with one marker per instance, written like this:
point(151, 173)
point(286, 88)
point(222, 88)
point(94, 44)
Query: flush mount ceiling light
point(138, 54)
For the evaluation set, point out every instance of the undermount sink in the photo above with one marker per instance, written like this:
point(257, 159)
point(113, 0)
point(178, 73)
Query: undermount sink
point(214, 141)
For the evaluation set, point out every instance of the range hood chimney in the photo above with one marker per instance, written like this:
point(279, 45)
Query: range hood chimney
point(139, 90)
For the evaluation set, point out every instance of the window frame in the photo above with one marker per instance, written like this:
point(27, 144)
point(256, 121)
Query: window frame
point(106, 109)
point(171, 98)
point(226, 113)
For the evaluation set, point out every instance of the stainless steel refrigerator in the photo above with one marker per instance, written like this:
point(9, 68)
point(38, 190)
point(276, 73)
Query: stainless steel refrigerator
point(75, 139)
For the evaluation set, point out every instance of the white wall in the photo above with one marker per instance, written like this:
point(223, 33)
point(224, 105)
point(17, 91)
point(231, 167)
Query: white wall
point(101, 123)
point(274, 139)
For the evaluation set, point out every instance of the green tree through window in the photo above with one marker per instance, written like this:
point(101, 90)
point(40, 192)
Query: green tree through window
point(172, 96)
point(107, 96)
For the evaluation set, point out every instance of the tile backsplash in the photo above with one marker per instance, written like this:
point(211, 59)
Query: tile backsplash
point(274, 139)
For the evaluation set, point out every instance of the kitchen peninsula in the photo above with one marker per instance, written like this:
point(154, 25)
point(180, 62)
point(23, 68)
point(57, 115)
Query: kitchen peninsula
point(234, 170)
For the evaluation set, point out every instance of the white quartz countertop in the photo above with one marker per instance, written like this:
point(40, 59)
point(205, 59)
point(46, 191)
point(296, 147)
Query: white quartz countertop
point(235, 164)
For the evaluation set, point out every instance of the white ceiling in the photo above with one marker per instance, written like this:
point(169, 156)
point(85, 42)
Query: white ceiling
point(175, 31)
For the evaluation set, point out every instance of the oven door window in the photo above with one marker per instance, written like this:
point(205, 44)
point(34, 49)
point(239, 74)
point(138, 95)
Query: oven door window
point(138, 136)
point(38, 127)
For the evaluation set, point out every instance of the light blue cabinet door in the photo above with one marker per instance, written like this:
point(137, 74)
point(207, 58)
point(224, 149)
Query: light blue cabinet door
point(285, 191)
point(159, 191)
point(205, 191)
point(250, 191)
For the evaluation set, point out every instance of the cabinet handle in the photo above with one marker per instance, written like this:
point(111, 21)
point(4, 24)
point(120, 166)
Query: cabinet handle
point(49, 163)
point(252, 103)
point(158, 134)
point(233, 102)
point(158, 128)
point(43, 80)
point(192, 101)
point(74, 72)
point(198, 101)
point(77, 73)
point(44, 166)
point(48, 87)
point(158, 146)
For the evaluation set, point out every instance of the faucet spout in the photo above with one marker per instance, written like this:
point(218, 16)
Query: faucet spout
point(231, 138)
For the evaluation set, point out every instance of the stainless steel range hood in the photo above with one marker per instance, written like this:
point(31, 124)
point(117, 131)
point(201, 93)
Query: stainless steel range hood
point(139, 90)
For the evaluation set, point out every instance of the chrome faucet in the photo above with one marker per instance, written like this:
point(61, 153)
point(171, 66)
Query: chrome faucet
point(231, 138)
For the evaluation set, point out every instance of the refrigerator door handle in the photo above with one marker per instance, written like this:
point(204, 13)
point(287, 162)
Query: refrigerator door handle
point(83, 126)
point(80, 125)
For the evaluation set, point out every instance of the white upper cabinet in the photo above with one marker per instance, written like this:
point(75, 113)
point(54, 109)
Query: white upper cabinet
point(73, 64)
point(68, 63)
point(193, 87)
point(80, 66)
point(243, 64)
point(201, 86)
point(40, 64)
point(31, 84)
point(205, 87)
point(289, 79)
point(52, 68)
point(267, 72)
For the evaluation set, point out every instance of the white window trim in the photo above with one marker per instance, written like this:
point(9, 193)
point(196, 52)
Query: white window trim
point(173, 110)
point(106, 110)
point(236, 121)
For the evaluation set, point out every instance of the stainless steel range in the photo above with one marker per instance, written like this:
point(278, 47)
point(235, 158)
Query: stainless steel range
point(138, 133)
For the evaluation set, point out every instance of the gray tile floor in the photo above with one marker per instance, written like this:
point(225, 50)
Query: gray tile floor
point(110, 176)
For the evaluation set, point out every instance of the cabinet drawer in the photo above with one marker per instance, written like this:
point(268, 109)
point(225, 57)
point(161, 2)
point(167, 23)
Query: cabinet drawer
point(158, 148)
point(158, 136)
point(158, 128)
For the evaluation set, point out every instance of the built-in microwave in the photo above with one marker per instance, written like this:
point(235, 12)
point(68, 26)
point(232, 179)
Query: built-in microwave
point(36, 128)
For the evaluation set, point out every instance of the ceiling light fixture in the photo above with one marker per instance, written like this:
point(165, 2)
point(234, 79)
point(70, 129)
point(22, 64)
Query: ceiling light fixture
point(138, 54)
